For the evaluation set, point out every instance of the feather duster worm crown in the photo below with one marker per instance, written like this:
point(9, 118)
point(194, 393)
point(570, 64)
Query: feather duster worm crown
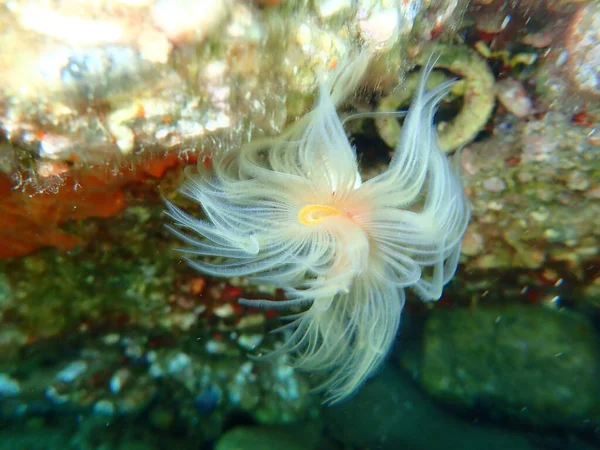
point(293, 212)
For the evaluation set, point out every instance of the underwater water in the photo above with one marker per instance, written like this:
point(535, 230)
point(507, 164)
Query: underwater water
point(302, 226)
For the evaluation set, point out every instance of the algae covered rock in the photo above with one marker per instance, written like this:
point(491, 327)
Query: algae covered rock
point(390, 412)
point(519, 363)
point(296, 437)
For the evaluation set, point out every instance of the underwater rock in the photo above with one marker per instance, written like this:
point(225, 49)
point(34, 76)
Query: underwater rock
point(513, 97)
point(532, 187)
point(9, 387)
point(291, 437)
point(583, 45)
point(116, 81)
point(391, 413)
point(519, 363)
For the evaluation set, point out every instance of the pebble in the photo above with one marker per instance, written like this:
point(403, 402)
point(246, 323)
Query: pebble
point(245, 373)
point(55, 397)
point(9, 387)
point(72, 371)
point(381, 27)
point(494, 184)
point(540, 39)
point(492, 22)
point(134, 351)
point(118, 380)
point(111, 339)
point(473, 243)
point(514, 98)
point(288, 386)
point(156, 370)
point(224, 311)
point(151, 356)
point(250, 341)
point(215, 347)
point(104, 408)
point(197, 285)
point(594, 138)
point(303, 35)
point(251, 321)
point(178, 363)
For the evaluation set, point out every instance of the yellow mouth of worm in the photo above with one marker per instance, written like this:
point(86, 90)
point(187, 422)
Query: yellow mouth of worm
point(315, 214)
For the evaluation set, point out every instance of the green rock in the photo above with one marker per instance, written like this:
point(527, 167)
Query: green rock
point(390, 412)
point(526, 364)
point(288, 437)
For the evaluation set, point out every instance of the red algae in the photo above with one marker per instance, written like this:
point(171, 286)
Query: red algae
point(31, 220)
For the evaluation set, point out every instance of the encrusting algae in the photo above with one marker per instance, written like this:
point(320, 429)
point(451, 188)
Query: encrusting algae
point(293, 212)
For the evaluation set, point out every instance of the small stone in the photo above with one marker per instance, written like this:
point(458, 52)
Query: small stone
point(381, 27)
point(118, 380)
point(224, 311)
point(472, 243)
point(514, 98)
point(151, 356)
point(72, 371)
point(492, 22)
point(134, 351)
point(197, 285)
point(55, 397)
point(554, 235)
point(9, 387)
point(594, 138)
point(111, 339)
point(104, 408)
point(184, 21)
point(178, 363)
point(215, 347)
point(250, 341)
point(494, 184)
point(251, 321)
point(156, 370)
point(541, 39)
point(245, 374)
point(303, 35)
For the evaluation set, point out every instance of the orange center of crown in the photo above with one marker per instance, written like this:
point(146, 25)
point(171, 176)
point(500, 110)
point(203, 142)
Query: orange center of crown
point(315, 214)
